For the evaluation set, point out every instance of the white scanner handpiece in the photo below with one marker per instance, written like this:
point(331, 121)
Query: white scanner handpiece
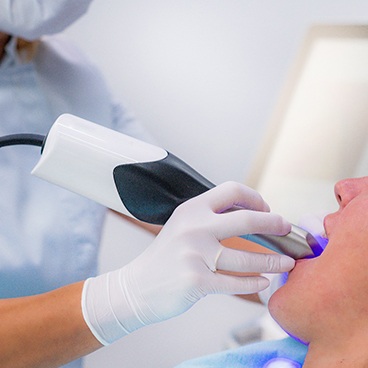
point(135, 178)
point(80, 156)
point(116, 170)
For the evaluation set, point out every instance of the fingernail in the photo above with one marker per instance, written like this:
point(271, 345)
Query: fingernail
point(286, 225)
point(287, 263)
point(263, 283)
point(266, 207)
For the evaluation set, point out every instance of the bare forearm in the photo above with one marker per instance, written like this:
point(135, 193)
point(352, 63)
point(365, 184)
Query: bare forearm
point(46, 330)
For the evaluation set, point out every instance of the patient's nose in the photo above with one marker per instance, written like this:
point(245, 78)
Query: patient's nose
point(346, 190)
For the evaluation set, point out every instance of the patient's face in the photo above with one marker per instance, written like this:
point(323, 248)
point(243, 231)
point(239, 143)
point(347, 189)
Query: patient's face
point(329, 293)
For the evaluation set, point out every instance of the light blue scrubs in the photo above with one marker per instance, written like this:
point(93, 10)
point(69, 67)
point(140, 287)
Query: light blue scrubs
point(49, 237)
point(284, 353)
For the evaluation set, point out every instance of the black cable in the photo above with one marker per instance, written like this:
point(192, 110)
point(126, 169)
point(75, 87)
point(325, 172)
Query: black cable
point(28, 139)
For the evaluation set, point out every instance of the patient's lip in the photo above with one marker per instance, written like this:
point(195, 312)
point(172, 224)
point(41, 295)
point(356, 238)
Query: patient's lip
point(327, 221)
point(298, 262)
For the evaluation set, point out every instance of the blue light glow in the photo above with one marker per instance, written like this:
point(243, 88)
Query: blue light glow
point(322, 241)
point(282, 363)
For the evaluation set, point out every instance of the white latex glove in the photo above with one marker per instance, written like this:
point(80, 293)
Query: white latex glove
point(276, 281)
point(180, 266)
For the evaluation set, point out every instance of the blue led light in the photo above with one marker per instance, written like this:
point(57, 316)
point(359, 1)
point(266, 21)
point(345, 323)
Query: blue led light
point(282, 363)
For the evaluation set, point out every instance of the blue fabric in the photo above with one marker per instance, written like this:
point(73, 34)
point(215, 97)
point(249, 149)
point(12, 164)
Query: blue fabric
point(49, 237)
point(256, 355)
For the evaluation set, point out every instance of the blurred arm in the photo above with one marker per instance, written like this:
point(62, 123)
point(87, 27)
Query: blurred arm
point(45, 330)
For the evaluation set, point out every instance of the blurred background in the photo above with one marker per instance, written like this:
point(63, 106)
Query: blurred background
point(204, 77)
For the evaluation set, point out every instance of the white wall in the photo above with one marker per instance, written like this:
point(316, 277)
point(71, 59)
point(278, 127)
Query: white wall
point(203, 77)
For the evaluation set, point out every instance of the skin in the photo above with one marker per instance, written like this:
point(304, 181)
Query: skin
point(30, 342)
point(325, 300)
point(4, 38)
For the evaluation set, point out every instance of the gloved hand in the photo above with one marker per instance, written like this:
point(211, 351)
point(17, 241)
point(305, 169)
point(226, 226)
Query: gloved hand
point(180, 266)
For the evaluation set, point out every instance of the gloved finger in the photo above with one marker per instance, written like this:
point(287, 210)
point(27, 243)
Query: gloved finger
point(242, 261)
point(231, 285)
point(211, 254)
point(232, 194)
point(243, 222)
point(276, 281)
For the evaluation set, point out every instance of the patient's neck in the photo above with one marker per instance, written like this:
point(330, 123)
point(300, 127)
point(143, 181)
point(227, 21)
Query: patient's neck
point(347, 352)
point(4, 38)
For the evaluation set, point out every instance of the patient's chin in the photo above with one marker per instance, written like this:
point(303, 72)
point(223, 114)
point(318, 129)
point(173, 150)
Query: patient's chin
point(279, 308)
point(289, 314)
point(274, 305)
